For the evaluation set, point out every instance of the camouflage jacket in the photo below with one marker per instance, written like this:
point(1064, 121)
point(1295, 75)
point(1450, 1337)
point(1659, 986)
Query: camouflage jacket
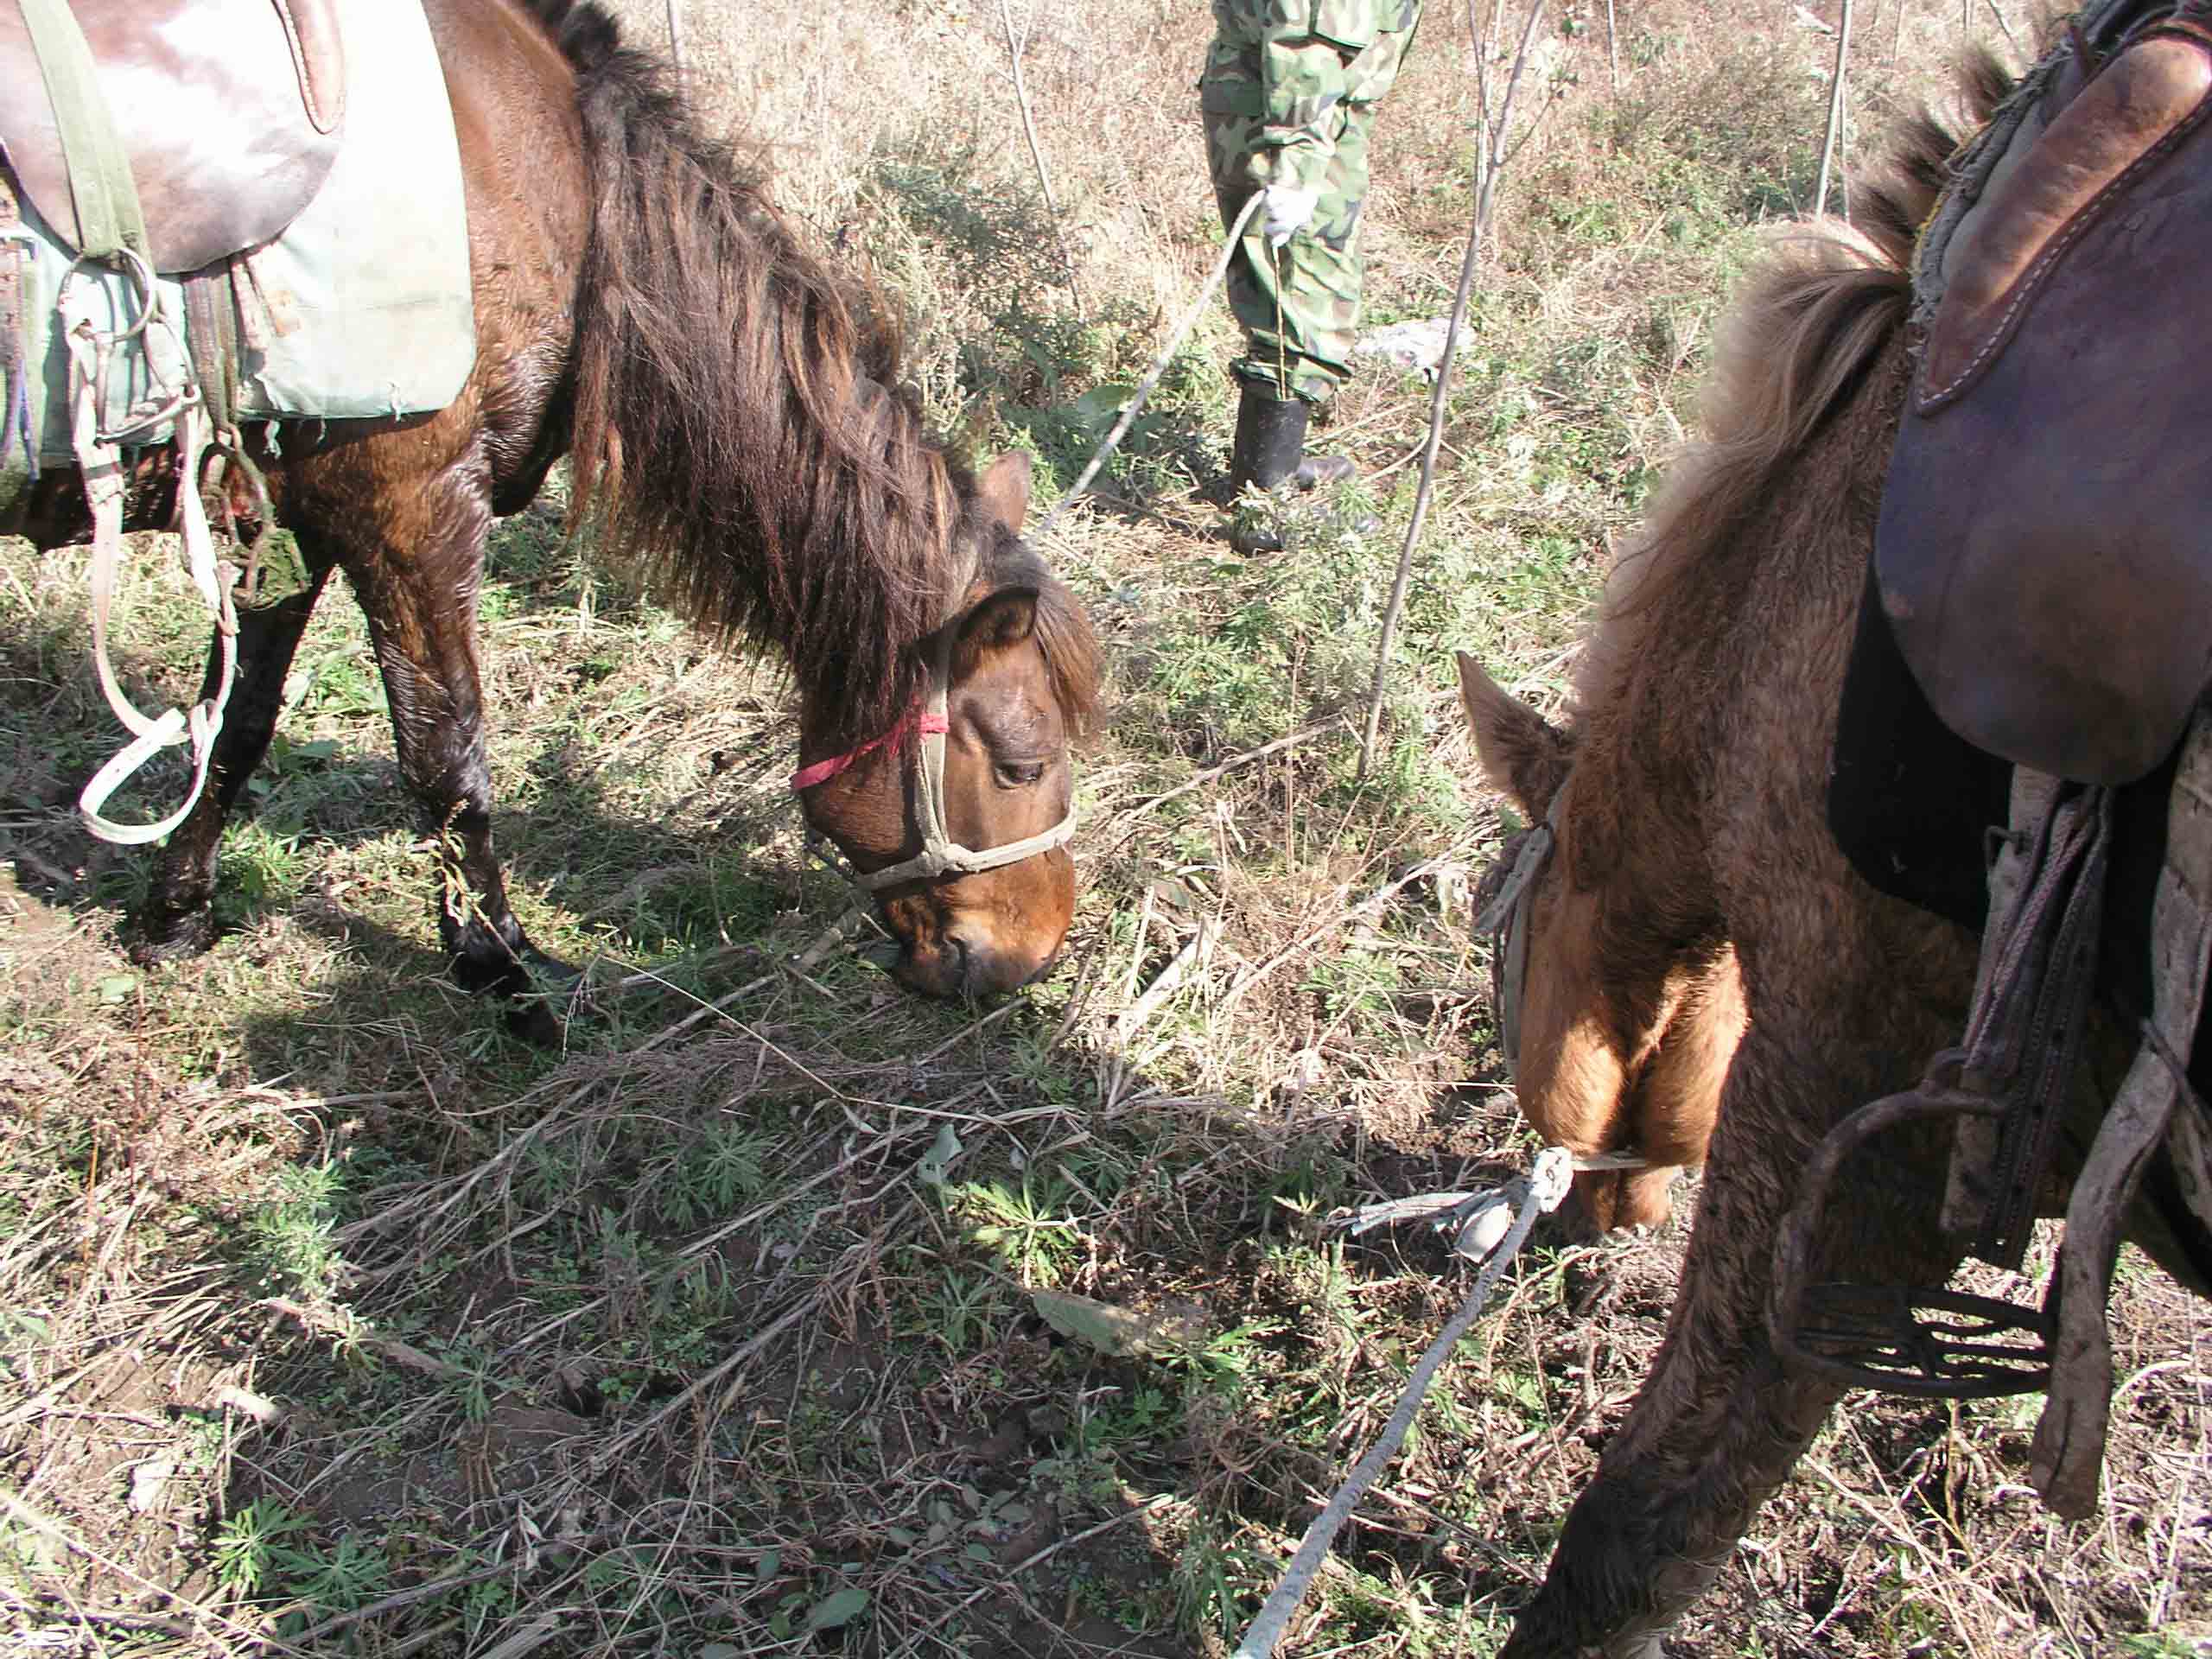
point(1285, 65)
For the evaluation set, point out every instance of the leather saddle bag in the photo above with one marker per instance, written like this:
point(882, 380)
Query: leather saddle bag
point(2044, 548)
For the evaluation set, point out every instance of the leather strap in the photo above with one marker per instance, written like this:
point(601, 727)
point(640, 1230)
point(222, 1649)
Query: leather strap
point(2068, 1455)
point(2023, 1037)
point(1505, 918)
point(108, 217)
point(211, 338)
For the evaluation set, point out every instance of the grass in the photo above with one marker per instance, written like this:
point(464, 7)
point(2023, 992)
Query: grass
point(781, 1313)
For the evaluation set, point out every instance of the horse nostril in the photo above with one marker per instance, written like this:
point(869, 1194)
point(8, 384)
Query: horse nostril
point(963, 965)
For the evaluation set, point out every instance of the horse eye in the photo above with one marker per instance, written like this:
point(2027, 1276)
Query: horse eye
point(1020, 775)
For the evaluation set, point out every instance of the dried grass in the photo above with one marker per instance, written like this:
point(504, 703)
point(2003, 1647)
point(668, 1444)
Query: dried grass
point(663, 1344)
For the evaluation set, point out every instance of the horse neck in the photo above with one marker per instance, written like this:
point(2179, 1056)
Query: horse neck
point(1709, 693)
point(732, 423)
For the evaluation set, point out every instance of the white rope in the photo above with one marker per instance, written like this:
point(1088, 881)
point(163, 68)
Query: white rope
point(1477, 1219)
point(1136, 403)
point(99, 459)
point(1541, 1189)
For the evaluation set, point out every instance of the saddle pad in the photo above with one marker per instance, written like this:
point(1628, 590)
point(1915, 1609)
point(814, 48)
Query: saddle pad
point(2041, 548)
point(362, 307)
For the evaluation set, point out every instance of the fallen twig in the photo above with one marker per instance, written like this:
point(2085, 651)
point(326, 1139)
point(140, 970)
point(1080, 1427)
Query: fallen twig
point(1200, 779)
point(1132, 1019)
point(1374, 901)
point(1159, 1501)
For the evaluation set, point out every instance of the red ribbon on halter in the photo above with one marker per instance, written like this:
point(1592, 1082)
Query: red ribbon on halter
point(823, 771)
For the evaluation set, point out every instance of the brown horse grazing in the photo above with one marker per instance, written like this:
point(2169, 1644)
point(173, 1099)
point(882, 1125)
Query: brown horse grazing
point(1701, 962)
point(732, 412)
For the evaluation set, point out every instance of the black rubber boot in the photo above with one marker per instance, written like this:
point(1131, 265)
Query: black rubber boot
point(1270, 445)
point(1270, 450)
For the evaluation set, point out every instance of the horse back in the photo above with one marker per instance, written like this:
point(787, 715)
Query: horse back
point(526, 188)
point(523, 170)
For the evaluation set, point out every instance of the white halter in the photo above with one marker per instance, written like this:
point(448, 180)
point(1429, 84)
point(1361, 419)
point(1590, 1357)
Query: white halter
point(940, 856)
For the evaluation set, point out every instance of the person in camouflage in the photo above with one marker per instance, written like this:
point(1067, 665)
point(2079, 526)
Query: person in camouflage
point(1288, 97)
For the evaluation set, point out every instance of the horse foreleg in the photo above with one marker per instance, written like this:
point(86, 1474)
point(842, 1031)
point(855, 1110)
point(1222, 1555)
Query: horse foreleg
point(1718, 1421)
point(424, 635)
point(179, 917)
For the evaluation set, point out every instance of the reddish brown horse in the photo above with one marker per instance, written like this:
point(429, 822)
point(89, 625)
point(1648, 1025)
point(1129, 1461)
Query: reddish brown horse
point(1701, 962)
point(733, 411)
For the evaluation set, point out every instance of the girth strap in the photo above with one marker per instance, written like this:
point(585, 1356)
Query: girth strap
point(211, 338)
point(2024, 1042)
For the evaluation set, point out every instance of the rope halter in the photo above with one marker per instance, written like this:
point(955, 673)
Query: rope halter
point(940, 856)
point(1505, 918)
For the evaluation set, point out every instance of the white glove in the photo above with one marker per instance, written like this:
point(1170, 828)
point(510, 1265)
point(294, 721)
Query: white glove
point(1285, 210)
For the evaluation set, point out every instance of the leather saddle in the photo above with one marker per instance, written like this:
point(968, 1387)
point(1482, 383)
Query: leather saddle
point(2042, 554)
point(230, 112)
point(2042, 562)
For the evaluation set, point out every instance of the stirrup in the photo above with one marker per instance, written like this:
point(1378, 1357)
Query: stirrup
point(1942, 1344)
point(1934, 1344)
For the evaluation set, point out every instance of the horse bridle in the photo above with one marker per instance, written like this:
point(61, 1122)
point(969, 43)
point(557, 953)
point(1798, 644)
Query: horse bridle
point(940, 854)
point(1505, 918)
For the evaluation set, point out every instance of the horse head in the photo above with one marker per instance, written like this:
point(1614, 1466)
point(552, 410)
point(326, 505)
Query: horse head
point(957, 820)
point(1624, 1028)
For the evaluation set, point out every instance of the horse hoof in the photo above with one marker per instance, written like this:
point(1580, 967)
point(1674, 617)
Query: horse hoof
point(535, 1024)
point(530, 1012)
point(530, 983)
point(550, 973)
point(519, 969)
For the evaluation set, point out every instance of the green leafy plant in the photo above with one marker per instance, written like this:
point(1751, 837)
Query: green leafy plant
point(258, 1552)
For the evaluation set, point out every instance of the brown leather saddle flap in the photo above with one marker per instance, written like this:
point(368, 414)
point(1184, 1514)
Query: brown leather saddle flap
point(230, 111)
point(2044, 547)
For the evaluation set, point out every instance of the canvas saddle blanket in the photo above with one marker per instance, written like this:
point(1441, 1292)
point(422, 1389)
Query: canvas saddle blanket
point(305, 149)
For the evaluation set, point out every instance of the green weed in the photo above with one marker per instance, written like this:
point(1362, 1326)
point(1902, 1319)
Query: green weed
point(257, 1553)
point(1020, 1224)
point(292, 1239)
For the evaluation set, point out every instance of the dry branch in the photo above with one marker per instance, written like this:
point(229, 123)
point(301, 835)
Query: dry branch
point(1836, 113)
point(1037, 155)
point(1493, 155)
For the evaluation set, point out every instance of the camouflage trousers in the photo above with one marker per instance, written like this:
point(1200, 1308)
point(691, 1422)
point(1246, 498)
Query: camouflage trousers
point(1298, 305)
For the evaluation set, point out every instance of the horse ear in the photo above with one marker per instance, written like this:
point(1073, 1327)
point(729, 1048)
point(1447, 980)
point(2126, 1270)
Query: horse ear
point(1524, 754)
point(1004, 619)
point(1003, 490)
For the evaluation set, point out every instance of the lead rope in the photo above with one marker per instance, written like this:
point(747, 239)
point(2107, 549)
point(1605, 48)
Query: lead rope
point(1280, 256)
point(1160, 366)
point(1527, 1197)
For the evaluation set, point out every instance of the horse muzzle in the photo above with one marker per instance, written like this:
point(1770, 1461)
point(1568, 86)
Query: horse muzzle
point(952, 966)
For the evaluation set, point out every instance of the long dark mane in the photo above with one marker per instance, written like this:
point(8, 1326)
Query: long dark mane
point(738, 420)
point(1796, 347)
